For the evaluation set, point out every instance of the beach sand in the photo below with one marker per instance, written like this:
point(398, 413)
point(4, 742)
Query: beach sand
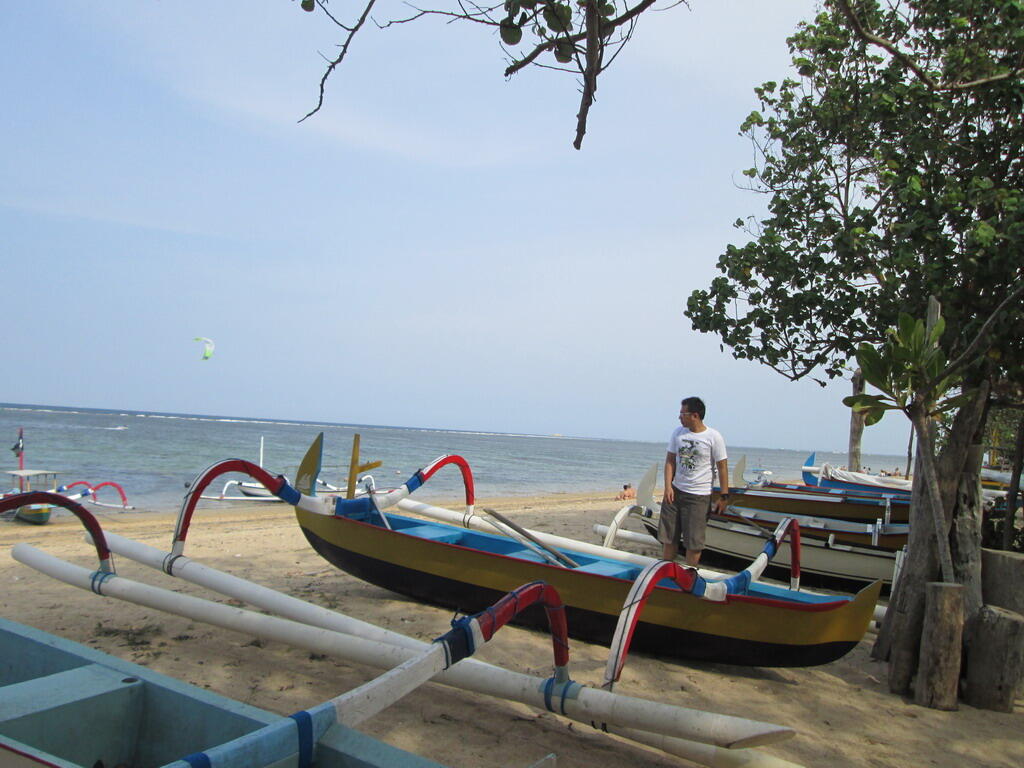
point(842, 712)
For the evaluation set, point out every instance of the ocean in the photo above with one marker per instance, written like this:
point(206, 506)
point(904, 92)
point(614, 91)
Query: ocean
point(154, 455)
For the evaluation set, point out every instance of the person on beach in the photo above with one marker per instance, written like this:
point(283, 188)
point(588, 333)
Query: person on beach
point(627, 492)
point(695, 451)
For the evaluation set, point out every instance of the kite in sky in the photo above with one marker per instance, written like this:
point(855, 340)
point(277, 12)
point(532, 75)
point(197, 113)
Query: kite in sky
point(207, 347)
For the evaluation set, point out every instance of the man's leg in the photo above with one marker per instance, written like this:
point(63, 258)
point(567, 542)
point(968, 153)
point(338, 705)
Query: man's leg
point(694, 520)
point(668, 529)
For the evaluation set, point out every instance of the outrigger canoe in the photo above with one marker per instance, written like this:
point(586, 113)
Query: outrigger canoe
point(734, 621)
point(702, 737)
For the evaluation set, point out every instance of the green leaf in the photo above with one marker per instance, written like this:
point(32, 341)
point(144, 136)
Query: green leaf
point(905, 330)
point(511, 34)
point(558, 17)
point(873, 417)
point(865, 402)
point(937, 330)
point(564, 51)
point(872, 366)
point(985, 234)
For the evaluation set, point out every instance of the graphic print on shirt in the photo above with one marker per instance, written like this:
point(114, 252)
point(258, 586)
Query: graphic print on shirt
point(689, 453)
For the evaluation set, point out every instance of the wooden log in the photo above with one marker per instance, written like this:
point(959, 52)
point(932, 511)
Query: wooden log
point(938, 667)
point(995, 659)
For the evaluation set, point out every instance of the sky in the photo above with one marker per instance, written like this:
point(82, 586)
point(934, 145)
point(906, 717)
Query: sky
point(428, 250)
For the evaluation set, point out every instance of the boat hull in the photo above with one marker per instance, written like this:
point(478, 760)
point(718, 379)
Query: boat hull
point(739, 543)
point(886, 542)
point(813, 503)
point(866, 488)
point(36, 514)
point(743, 630)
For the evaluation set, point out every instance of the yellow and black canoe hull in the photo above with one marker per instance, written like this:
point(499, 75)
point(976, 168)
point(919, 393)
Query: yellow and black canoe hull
point(36, 514)
point(751, 630)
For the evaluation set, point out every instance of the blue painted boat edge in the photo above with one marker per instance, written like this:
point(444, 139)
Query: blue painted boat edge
point(756, 590)
point(40, 654)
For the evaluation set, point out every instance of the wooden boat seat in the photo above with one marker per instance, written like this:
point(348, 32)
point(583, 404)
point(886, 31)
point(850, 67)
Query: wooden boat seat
point(433, 533)
point(604, 568)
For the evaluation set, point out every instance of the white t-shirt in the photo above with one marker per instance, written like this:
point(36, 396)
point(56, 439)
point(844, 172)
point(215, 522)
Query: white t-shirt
point(697, 453)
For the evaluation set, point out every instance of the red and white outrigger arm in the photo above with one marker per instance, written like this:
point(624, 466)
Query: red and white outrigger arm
point(106, 567)
point(689, 580)
point(373, 501)
point(91, 490)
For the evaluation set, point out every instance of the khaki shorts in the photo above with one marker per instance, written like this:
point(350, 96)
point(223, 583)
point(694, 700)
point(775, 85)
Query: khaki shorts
point(684, 520)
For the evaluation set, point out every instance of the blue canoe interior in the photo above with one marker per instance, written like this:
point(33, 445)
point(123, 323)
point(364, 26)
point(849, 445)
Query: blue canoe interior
point(63, 704)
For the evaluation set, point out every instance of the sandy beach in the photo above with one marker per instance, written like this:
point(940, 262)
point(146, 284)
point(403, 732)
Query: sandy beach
point(842, 712)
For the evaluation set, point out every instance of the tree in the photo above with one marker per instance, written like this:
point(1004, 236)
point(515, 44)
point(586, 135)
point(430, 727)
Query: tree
point(884, 189)
point(577, 36)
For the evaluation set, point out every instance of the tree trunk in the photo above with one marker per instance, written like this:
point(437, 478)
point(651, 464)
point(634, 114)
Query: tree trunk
point(965, 500)
point(938, 674)
point(929, 520)
point(856, 425)
point(965, 535)
point(933, 494)
point(899, 638)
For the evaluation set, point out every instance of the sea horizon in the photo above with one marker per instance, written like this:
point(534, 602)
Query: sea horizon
point(154, 454)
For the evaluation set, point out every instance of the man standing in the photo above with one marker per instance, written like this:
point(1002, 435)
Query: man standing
point(693, 450)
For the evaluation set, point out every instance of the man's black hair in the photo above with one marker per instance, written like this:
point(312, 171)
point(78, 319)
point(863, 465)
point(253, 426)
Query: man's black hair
point(695, 405)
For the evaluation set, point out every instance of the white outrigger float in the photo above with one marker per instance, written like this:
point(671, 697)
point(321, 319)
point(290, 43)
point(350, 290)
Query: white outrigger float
point(721, 741)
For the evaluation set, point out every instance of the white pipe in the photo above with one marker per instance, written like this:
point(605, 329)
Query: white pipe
point(589, 704)
point(631, 536)
point(358, 705)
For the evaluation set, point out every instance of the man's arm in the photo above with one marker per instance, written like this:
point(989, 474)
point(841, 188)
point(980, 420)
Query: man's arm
point(723, 483)
point(670, 475)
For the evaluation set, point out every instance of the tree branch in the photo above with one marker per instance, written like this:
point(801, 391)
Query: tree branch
point(547, 46)
point(344, 50)
point(966, 354)
point(862, 32)
point(594, 50)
